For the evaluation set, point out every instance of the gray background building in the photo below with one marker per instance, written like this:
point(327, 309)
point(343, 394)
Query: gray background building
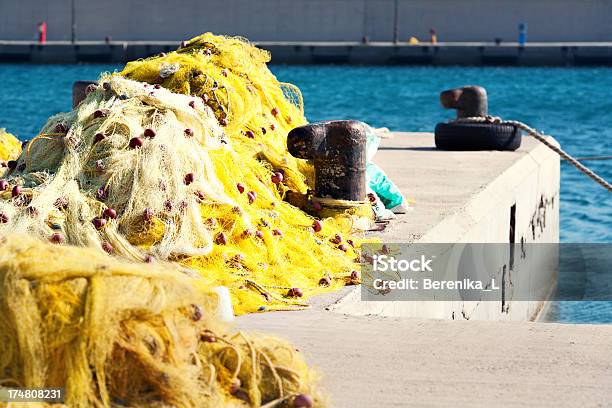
point(308, 20)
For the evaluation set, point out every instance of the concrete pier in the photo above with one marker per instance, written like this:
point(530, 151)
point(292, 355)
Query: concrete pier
point(381, 53)
point(474, 197)
point(374, 361)
point(386, 355)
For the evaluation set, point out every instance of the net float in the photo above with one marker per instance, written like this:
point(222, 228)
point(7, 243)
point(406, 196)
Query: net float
point(136, 143)
point(302, 401)
point(336, 239)
point(99, 223)
point(295, 292)
point(110, 213)
point(221, 239)
point(100, 113)
point(57, 238)
point(197, 313)
point(189, 178)
point(16, 191)
point(108, 248)
point(277, 177)
point(99, 137)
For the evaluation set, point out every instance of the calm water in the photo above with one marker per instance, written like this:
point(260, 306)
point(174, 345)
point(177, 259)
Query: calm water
point(572, 104)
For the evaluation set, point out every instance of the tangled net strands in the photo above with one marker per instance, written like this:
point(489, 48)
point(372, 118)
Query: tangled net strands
point(231, 76)
point(116, 334)
point(193, 184)
point(142, 172)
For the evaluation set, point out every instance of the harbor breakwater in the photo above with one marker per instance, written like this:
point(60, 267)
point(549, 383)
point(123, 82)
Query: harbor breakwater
point(376, 53)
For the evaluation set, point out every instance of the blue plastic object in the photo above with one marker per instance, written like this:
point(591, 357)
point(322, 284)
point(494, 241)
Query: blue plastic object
point(382, 185)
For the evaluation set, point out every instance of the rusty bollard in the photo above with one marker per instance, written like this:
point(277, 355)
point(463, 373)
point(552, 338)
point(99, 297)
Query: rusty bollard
point(478, 133)
point(470, 101)
point(79, 91)
point(338, 151)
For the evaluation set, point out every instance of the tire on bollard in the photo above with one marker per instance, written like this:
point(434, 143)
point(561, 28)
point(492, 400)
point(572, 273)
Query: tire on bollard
point(477, 136)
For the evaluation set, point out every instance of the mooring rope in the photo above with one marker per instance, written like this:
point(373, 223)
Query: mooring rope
point(542, 138)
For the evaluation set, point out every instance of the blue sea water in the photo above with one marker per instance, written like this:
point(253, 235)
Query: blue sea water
point(572, 104)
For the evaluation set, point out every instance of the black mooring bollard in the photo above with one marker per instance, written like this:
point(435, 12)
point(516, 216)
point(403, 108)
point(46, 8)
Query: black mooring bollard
point(338, 150)
point(478, 134)
point(470, 101)
point(79, 91)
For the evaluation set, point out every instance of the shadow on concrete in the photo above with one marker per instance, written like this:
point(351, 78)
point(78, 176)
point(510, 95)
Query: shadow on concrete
point(415, 148)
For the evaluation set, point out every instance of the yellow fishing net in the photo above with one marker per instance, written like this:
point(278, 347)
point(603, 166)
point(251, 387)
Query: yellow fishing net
point(142, 172)
point(178, 167)
point(116, 334)
point(10, 147)
point(257, 112)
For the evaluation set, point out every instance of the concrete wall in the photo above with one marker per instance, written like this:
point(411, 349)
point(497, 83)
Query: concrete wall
point(530, 184)
point(309, 20)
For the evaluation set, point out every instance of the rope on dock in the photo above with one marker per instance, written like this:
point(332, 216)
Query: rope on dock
point(542, 138)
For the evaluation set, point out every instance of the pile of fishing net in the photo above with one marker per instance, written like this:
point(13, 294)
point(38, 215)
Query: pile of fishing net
point(175, 177)
point(145, 173)
point(116, 334)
